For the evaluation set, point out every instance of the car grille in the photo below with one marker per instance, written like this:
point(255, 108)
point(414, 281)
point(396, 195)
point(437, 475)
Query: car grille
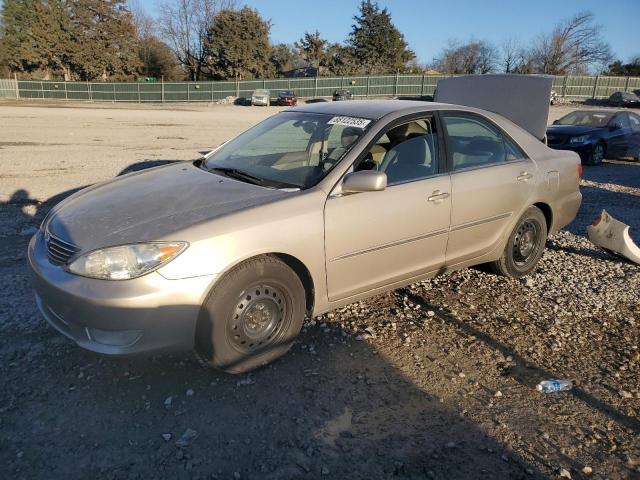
point(556, 139)
point(59, 251)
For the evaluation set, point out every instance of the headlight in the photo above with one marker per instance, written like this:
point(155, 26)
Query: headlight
point(126, 261)
point(580, 139)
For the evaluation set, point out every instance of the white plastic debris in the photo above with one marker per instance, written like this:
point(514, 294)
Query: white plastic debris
point(613, 235)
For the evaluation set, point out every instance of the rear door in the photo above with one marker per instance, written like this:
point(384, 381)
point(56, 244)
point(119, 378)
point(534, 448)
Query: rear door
point(633, 144)
point(491, 182)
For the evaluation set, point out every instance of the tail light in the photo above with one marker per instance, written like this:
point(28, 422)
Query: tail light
point(580, 170)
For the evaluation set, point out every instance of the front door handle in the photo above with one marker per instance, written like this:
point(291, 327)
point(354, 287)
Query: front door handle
point(437, 196)
point(524, 177)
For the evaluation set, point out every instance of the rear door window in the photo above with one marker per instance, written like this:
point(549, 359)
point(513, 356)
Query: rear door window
point(475, 142)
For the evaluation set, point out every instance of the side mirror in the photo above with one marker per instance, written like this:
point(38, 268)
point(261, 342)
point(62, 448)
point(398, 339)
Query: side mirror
point(364, 181)
point(556, 122)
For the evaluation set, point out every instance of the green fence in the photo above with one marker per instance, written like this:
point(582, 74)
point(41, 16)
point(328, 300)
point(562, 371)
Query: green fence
point(360, 86)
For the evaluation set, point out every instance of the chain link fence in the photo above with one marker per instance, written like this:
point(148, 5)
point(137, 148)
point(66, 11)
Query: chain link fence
point(570, 87)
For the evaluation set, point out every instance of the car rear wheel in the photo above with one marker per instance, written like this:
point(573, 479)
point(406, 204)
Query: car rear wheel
point(252, 316)
point(525, 245)
point(597, 154)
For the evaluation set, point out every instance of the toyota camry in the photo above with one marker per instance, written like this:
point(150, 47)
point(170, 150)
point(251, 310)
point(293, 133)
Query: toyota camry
point(316, 207)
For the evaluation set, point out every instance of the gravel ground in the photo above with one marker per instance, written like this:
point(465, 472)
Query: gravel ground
point(436, 380)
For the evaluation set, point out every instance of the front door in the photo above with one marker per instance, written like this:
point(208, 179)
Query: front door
point(373, 239)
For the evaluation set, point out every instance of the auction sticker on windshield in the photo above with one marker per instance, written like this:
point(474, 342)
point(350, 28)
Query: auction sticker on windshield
point(350, 121)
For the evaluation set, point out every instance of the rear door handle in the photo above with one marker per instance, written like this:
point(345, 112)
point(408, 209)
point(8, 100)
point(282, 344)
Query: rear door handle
point(524, 177)
point(437, 196)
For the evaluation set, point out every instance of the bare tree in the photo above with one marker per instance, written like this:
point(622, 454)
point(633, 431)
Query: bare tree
point(511, 54)
point(574, 46)
point(184, 24)
point(475, 56)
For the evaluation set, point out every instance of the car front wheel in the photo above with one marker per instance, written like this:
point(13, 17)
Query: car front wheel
point(252, 316)
point(597, 154)
point(525, 245)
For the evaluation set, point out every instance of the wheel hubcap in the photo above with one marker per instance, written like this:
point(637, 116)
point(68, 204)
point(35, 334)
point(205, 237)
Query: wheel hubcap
point(598, 153)
point(525, 242)
point(257, 318)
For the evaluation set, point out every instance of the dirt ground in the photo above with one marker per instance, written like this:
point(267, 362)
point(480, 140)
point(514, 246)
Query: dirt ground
point(436, 380)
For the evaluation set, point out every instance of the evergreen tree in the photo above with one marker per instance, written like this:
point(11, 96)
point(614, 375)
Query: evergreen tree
point(237, 45)
point(378, 46)
point(107, 41)
point(313, 49)
point(17, 48)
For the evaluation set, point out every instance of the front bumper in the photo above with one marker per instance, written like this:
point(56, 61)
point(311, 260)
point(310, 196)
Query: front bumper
point(146, 314)
point(260, 101)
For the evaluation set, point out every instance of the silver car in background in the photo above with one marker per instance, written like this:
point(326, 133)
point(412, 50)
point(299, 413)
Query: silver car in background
point(261, 97)
point(316, 207)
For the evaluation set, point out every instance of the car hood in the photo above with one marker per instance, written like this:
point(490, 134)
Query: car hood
point(571, 129)
point(150, 205)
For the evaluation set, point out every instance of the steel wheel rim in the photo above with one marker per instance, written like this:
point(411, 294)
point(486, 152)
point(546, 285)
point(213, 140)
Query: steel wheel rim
point(598, 153)
point(258, 317)
point(525, 242)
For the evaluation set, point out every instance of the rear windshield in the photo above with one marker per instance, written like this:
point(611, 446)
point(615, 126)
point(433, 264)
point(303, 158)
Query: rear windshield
point(290, 149)
point(588, 119)
point(286, 93)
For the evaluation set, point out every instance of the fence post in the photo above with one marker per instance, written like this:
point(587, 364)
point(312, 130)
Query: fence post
point(89, 91)
point(395, 91)
point(564, 86)
point(315, 88)
point(162, 89)
point(237, 88)
point(368, 83)
point(188, 93)
point(15, 79)
point(42, 89)
point(626, 85)
point(114, 92)
point(211, 84)
point(595, 87)
point(422, 86)
point(138, 84)
point(66, 97)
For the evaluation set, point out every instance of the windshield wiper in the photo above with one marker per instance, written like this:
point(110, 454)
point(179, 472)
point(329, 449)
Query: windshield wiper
point(239, 175)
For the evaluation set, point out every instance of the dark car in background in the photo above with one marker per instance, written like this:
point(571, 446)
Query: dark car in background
point(594, 134)
point(286, 98)
point(624, 99)
point(342, 94)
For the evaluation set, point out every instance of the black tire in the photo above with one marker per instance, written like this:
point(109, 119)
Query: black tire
point(251, 316)
point(525, 245)
point(597, 154)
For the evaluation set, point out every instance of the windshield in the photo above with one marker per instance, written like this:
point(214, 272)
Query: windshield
point(261, 92)
point(588, 119)
point(290, 149)
point(286, 93)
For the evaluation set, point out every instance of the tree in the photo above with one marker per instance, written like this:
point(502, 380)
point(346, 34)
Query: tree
point(236, 45)
point(285, 58)
point(340, 60)
point(157, 60)
point(630, 69)
point(106, 45)
point(473, 57)
point(574, 46)
point(184, 24)
point(511, 54)
point(313, 49)
point(17, 49)
point(378, 46)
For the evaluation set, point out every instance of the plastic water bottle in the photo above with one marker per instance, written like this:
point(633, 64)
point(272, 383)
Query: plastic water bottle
point(550, 386)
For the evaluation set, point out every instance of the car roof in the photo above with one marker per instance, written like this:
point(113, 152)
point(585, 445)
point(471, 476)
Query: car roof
point(371, 109)
point(597, 112)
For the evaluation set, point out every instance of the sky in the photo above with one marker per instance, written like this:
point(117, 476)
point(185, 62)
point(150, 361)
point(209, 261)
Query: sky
point(429, 24)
